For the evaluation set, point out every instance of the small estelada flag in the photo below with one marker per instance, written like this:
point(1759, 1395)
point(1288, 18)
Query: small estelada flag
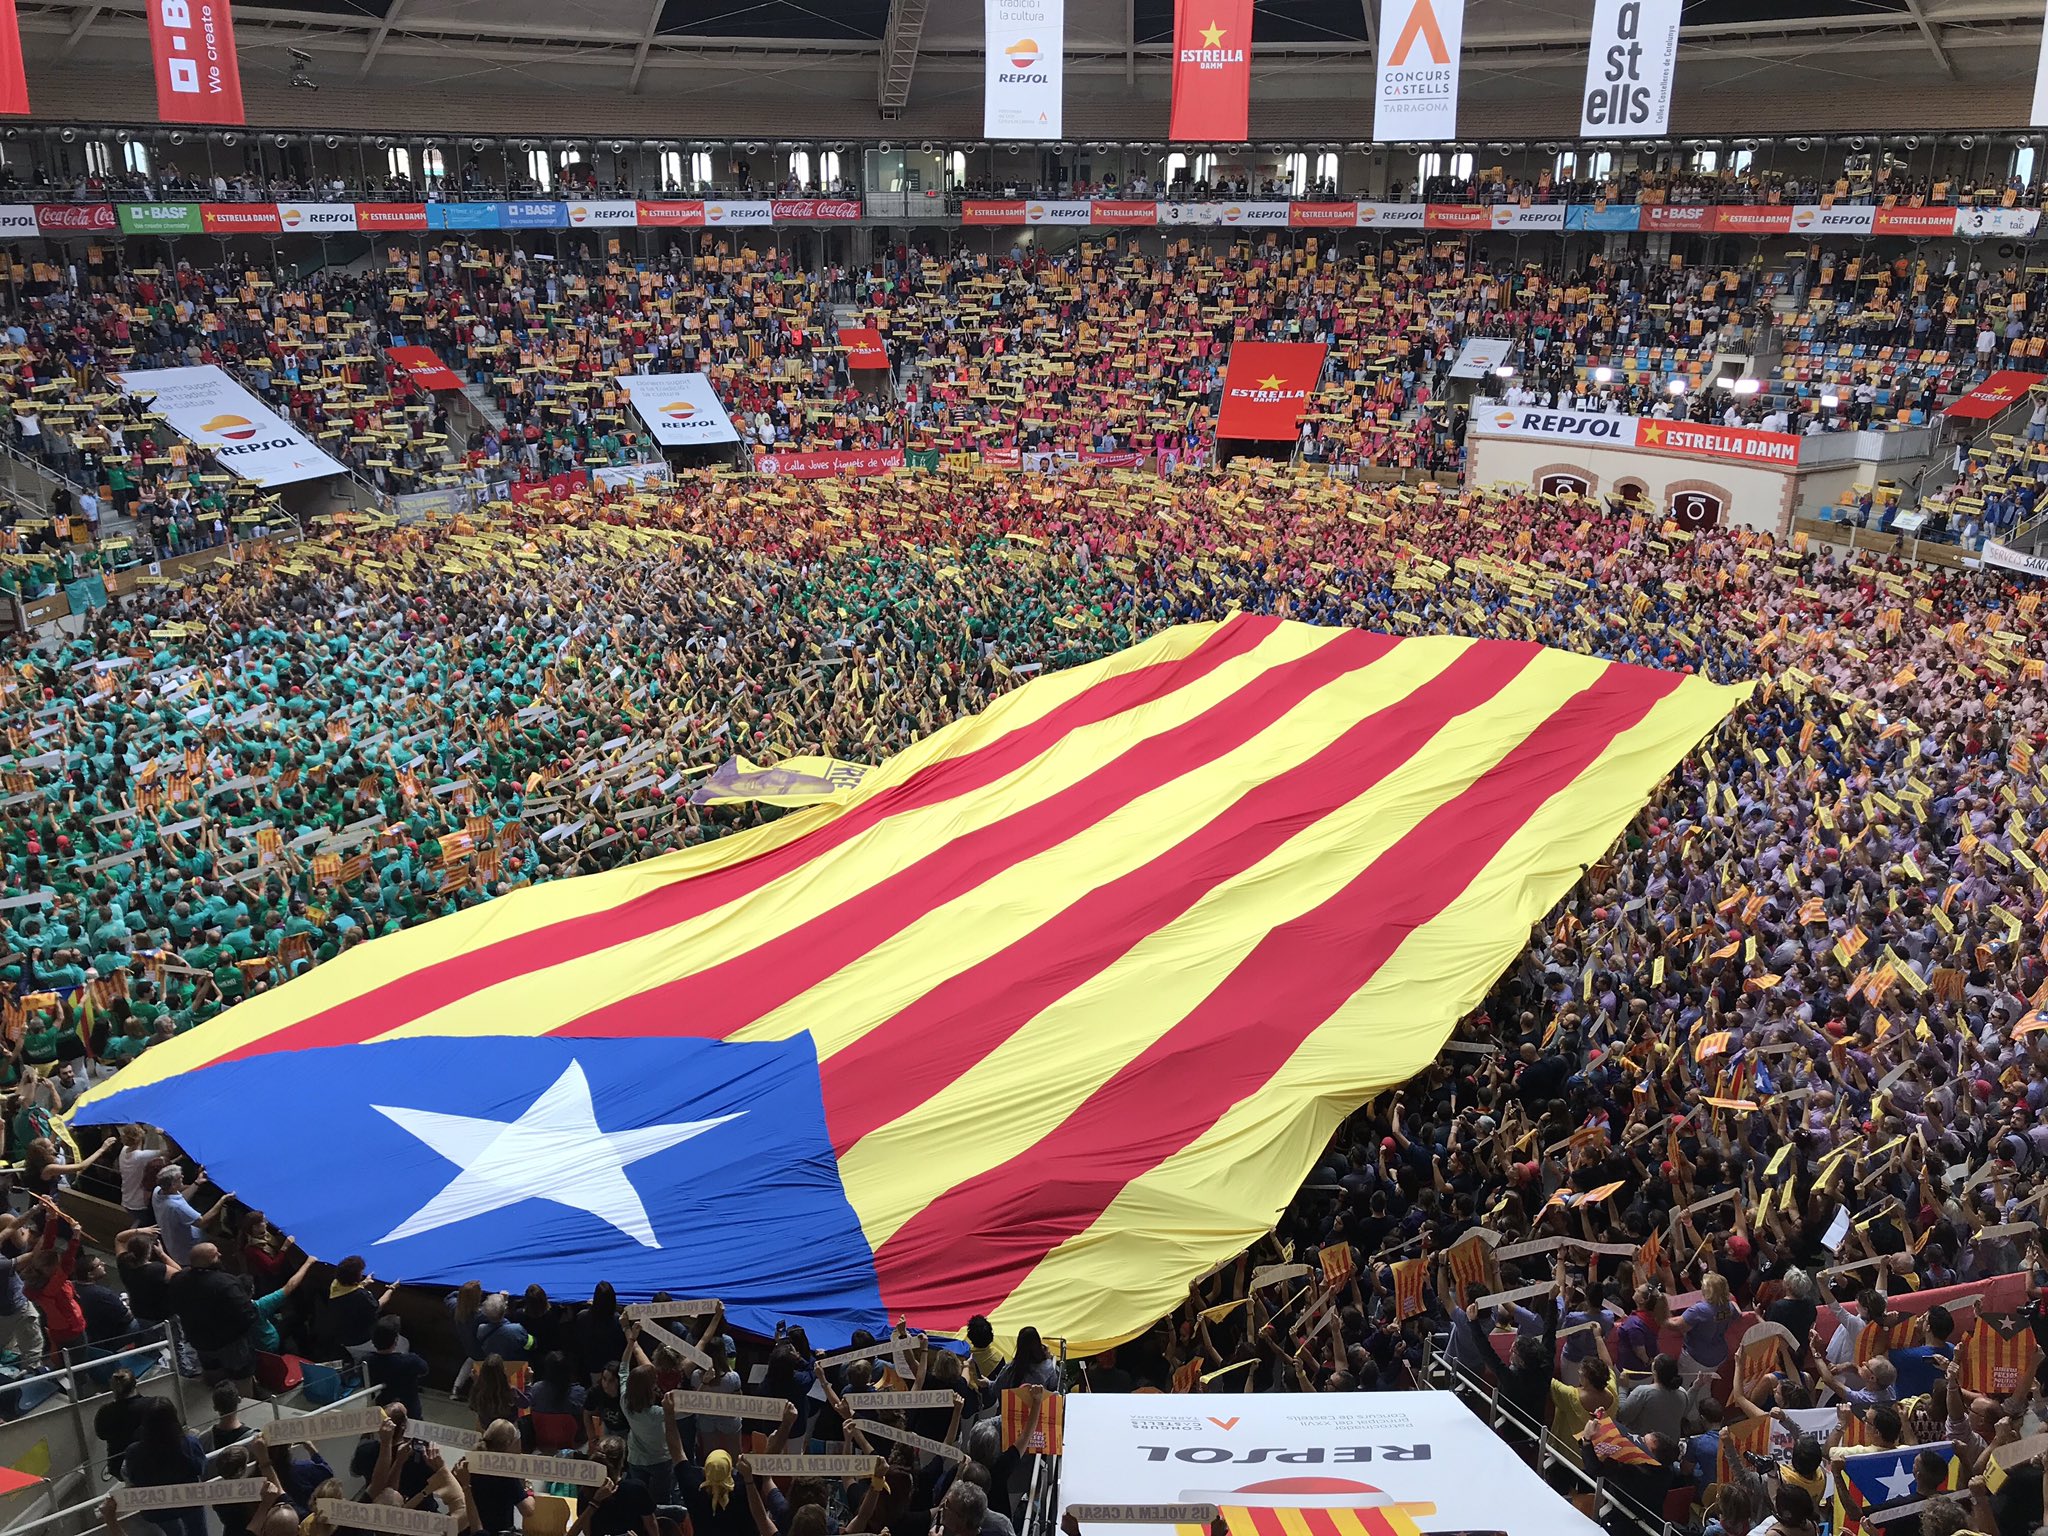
point(1034, 1420)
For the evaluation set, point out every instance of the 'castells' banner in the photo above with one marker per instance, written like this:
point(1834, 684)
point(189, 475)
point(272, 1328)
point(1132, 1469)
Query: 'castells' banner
point(679, 408)
point(213, 411)
point(1418, 70)
point(1628, 71)
point(1212, 72)
point(1025, 71)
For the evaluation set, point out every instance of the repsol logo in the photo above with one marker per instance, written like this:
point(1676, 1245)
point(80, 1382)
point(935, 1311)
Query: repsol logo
point(233, 448)
point(1573, 426)
point(1313, 1455)
point(1005, 77)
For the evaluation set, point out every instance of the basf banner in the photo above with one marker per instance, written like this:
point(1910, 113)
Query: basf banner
point(1212, 71)
point(1418, 70)
point(1388, 1462)
point(192, 43)
point(1266, 388)
point(1025, 73)
point(210, 409)
point(1628, 72)
point(679, 408)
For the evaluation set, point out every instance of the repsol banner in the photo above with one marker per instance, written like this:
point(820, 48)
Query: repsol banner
point(210, 409)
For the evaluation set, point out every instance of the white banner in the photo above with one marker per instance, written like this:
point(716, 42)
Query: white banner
point(1971, 223)
point(603, 215)
point(1480, 355)
point(1255, 215)
point(2000, 558)
point(739, 215)
point(1423, 1454)
point(679, 408)
point(1536, 216)
point(1040, 212)
point(2039, 117)
point(1025, 73)
point(316, 218)
point(1540, 423)
point(1628, 71)
point(1813, 219)
point(18, 219)
point(1417, 94)
point(1169, 213)
point(612, 476)
point(213, 411)
point(1391, 215)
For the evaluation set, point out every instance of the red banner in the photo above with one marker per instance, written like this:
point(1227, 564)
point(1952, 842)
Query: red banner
point(1752, 221)
point(1123, 213)
point(13, 81)
point(193, 45)
point(1003, 458)
point(240, 219)
point(1999, 393)
point(1212, 71)
point(1696, 216)
point(1266, 388)
point(1322, 215)
point(555, 488)
point(384, 218)
point(1457, 216)
point(76, 218)
point(814, 208)
point(671, 215)
point(1709, 441)
point(864, 348)
point(828, 464)
point(1914, 221)
point(424, 367)
point(1009, 211)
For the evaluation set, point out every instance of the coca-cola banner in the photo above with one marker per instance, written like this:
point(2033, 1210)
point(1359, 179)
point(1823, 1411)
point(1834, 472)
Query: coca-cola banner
point(76, 218)
point(832, 208)
point(829, 464)
point(192, 43)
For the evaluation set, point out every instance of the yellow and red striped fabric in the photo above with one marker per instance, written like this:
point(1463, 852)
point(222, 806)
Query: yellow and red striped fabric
point(1092, 975)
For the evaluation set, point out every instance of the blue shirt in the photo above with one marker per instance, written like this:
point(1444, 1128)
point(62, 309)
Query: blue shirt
point(178, 1223)
point(1916, 1368)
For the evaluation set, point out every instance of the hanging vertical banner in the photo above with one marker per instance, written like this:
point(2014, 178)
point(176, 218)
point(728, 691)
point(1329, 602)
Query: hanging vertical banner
point(13, 81)
point(1628, 71)
point(1266, 388)
point(1418, 70)
point(192, 43)
point(1212, 71)
point(2039, 118)
point(1025, 72)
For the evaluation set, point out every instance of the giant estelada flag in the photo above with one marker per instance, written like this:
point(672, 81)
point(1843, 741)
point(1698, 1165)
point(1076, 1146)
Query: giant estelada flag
point(1049, 1015)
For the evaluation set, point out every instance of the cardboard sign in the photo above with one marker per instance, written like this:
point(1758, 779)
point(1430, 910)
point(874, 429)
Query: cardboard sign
point(1276, 1274)
point(930, 1447)
point(225, 1490)
point(646, 1309)
point(690, 1352)
point(869, 1351)
point(385, 1517)
point(940, 1397)
point(1143, 1514)
point(556, 1469)
point(365, 1420)
point(729, 1405)
point(814, 1466)
point(450, 1436)
point(1502, 1298)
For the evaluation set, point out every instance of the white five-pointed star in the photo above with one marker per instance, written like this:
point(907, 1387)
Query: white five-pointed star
point(1900, 1484)
point(554, 1151)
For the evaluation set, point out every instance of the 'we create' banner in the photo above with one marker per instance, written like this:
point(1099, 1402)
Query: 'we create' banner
point(1266, 388)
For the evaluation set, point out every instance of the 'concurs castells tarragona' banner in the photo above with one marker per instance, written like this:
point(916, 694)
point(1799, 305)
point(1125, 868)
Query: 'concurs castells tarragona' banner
point(210, 409)
point(1212, 71)
point(1025, 71)
point(1628, 71)
point(192, 43)
point(1417, 95)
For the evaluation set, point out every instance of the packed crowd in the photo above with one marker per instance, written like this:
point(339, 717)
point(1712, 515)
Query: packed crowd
point(1776, 1059)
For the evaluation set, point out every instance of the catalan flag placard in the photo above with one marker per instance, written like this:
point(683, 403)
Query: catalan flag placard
point(1087, 981)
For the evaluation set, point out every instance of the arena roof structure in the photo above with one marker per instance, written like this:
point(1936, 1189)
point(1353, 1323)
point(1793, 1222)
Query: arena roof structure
point(872, 70)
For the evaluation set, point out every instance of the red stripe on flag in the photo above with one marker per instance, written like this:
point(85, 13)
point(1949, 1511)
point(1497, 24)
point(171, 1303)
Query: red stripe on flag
point(967, 1250)
point(420, 992)
point(1267, 1521)
point(968, 1015)
point(722, 998)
